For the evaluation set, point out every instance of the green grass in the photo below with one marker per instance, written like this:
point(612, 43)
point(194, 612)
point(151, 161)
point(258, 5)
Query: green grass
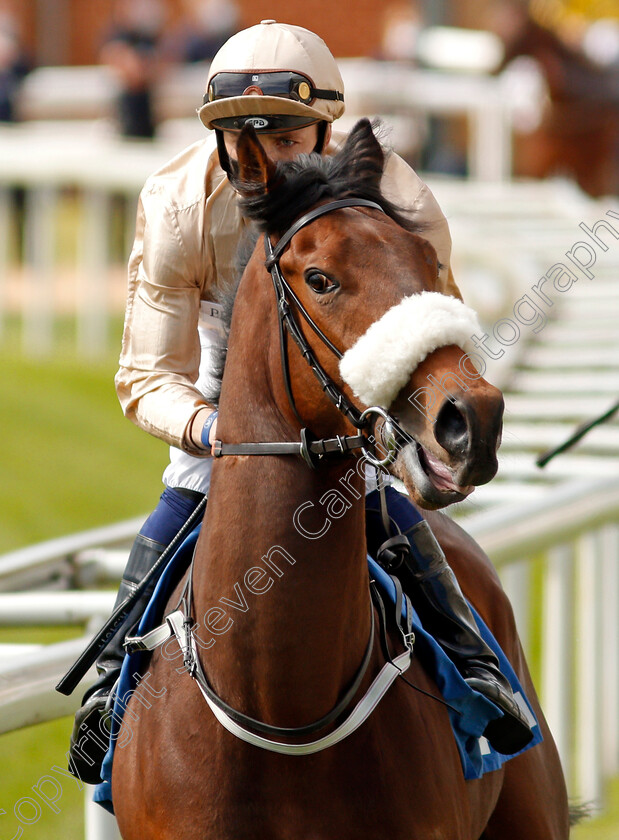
point(70, 461)
point(605, 826)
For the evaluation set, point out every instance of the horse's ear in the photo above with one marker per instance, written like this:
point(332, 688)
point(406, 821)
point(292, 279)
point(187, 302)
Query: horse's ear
point(254, 171)
point(363, 153)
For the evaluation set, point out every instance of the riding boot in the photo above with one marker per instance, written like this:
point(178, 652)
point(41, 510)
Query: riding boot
point(436, 595)
point(89, 743)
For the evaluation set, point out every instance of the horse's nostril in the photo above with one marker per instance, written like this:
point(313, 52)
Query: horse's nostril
point(451, 428)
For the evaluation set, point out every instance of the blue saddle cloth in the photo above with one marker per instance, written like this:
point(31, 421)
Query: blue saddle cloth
point(469, 712)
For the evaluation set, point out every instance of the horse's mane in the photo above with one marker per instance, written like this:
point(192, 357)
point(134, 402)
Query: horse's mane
point(353, 172)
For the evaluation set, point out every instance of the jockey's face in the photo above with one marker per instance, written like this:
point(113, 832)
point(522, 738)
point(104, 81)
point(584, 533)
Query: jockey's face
point(282, 145)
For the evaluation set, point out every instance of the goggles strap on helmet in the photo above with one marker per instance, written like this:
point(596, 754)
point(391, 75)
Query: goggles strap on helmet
point(321, 93)
point(287, 84)
point(322, 133)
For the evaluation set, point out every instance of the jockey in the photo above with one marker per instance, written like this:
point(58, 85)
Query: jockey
point(284, 81)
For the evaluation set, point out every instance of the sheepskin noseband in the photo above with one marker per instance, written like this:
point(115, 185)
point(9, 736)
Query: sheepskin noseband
point(382, 360)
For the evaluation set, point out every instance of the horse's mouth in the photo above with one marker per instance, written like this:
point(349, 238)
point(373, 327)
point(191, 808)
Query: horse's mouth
point(433, 480)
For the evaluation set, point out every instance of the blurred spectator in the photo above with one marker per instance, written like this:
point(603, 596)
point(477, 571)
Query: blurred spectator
point(14, 66)
point(402, 23)
point(131, 49)
point(439, 144)
point(205, 27)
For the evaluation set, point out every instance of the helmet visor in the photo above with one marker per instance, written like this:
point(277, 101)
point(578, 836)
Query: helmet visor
point(265, 123)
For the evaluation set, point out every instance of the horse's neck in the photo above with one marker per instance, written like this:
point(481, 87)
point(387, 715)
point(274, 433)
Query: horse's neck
point(569, 73)
point(281, 582)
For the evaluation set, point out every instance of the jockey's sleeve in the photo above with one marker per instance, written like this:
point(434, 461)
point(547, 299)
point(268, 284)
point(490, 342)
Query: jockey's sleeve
point(170, 271)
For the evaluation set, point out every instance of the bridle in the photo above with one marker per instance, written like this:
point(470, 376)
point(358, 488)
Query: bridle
point(285, 294)
point(313, 450)
point(180, 623)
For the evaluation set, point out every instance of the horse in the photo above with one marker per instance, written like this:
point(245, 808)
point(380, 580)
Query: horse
point(579, 131)
point(280, 580)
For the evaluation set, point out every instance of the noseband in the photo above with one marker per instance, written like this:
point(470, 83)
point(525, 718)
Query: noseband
point(310, 449)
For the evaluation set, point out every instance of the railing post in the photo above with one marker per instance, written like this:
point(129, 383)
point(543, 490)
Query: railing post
point(556, 647)
point(100, 825)
point(490, 153)
point(39, 260)
point(610, 649)
point(588, 642)
point(5, 227)
point(516, 580)
point(93, 292)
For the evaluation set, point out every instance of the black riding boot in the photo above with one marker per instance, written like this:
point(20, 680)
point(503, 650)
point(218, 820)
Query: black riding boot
point(88, 741)
point(436, 595)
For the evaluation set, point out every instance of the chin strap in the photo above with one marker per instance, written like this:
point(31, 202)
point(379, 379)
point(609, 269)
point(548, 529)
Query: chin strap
point(311, 450)
point(322, 134)
point(224, 157)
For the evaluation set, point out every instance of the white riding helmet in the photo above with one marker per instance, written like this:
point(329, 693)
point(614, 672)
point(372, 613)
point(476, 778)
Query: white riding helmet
point(274, 76)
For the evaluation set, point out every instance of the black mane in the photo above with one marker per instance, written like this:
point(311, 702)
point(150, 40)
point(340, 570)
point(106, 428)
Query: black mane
point(353, 172)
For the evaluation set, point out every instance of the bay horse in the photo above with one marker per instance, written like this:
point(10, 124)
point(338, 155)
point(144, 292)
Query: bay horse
point(280, 580)
point(579, 132)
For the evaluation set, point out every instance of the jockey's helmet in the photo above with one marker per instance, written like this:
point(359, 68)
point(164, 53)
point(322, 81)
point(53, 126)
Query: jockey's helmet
point(275, 76)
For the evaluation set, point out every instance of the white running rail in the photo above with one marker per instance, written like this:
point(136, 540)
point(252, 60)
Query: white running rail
point(559, 561)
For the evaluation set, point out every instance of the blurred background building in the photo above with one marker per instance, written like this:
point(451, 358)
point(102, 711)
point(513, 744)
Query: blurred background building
point(561, 55)
point(70, 31)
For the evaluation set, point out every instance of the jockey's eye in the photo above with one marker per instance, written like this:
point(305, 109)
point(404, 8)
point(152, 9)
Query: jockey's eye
point(319, 282)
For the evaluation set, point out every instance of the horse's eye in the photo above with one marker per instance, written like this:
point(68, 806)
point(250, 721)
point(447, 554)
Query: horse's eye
point(320, 283)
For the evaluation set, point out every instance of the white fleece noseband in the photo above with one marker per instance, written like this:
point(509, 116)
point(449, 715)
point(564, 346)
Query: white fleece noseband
point(382, 360)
